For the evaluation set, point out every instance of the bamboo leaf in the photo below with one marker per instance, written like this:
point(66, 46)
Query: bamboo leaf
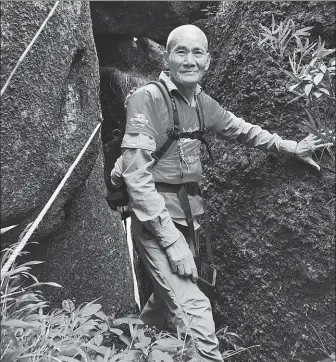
point(160, 356)
point(67, 359)
point(89, 310)
point(318, 77)
point(296, 98)
point(100, 314)
point(126, 320)
point(299, 42)
point(16, 323)
point(141, 346)
point(308, 89)
point(129, 356)
point(98, 340)
point(310, 117)
point(304, 31)
point(268, 31)
point(52, 284)
point(327, 52)
point(292, 87)
point(317, 94)
point(312, 62)
point(14, 271)
point(324, 90)
point(261, 42)
point(143, 339)
point(125, 339)
point(116, 331)
point(323, 68)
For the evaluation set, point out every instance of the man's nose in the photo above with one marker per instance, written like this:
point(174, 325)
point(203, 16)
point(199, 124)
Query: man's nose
point(189, 58)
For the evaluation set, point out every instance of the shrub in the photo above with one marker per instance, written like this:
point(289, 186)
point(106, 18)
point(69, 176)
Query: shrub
point(310, 72)
point(32, 332)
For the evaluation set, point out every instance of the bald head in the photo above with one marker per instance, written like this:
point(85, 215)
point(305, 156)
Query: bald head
point(190, 31)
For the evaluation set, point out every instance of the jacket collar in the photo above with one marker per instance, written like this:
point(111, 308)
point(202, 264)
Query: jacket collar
point(164, 76)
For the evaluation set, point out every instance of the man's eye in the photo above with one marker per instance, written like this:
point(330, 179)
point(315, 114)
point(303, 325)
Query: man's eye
point(181, 52)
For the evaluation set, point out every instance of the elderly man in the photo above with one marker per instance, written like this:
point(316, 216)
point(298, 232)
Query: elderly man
point(158, 221)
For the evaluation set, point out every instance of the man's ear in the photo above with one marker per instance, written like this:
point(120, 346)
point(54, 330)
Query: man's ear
point(166, 59)
point(207, 64)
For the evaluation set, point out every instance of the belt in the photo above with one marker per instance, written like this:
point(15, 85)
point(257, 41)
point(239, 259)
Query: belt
point(182, 191)
point(192, 188)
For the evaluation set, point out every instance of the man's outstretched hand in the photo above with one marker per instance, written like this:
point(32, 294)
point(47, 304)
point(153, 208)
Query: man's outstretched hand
point(181, 259)
point(306, 148)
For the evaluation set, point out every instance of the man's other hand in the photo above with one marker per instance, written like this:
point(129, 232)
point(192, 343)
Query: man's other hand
point(181, 259)
point(306, 148)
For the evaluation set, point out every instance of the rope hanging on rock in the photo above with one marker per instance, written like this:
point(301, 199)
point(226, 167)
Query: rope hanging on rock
point(28, 48)
point(39, 218)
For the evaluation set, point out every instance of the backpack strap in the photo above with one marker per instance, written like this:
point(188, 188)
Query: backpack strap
point(173, 131)
point(200, 114)
point(172, 111)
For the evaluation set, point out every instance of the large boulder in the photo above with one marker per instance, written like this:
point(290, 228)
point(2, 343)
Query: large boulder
point(89, 256)
point(272, 217)
point(143, 19)
point(49, 109)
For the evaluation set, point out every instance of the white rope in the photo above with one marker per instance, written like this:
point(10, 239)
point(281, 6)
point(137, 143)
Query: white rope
point(28, 48)
point(39, 218)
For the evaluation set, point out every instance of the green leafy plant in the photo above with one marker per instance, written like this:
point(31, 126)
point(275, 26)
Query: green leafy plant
point(310, 71)
point(32, 332)
point(29, 333)
point(149, 344)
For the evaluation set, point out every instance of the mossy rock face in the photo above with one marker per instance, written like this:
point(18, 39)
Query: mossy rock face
point(49, 109)
point(272, 216)
point(89, 255)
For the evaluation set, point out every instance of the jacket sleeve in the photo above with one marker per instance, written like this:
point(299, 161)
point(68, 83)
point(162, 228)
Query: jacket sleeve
point(233, 128)
point(147, 204)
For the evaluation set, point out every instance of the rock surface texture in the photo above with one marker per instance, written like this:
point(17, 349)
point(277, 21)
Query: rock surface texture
point(48, 112)
point(50, 107)
point(89, 256)
point(272, 217)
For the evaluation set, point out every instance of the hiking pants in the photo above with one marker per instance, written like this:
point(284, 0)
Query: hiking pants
point(176, 300)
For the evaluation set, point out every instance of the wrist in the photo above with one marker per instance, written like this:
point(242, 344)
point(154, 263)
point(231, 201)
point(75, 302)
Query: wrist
point(164, 229)
point(288, 147)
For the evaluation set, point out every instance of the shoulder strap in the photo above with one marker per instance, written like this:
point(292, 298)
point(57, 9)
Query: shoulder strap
point(174, 131)
point(200, 114)
point(172, 111)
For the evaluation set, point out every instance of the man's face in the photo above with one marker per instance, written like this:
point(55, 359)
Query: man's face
point(188, 58)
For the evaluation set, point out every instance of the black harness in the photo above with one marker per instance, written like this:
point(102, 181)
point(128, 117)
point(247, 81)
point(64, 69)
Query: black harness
point(191, 188)
point(173, 132)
